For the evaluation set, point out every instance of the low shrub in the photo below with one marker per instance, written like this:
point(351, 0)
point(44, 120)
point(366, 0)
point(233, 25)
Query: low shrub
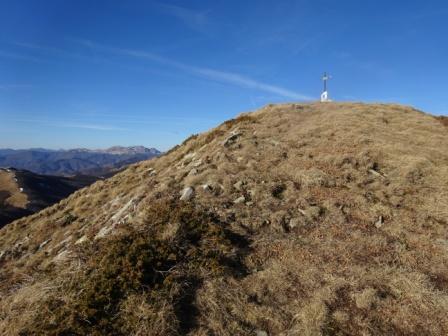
point(136, 262)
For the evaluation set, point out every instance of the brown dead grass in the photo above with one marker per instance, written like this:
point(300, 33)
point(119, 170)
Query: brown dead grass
point(342, 231)
point(443, 120)
point(16, 198)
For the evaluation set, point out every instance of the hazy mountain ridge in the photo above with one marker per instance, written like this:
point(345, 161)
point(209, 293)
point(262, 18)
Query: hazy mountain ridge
point(297, 219)
point(74, 161)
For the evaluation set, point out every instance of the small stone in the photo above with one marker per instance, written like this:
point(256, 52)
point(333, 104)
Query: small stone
point(104, 232)
point(231, 139)
point(187, 194)
point(314, 212)
point(239, 200)
point(192, 172)
point(293, 223)
point(63, 255)
point(44, 243)
point(238, 185)
point(81, 240)
point(189, 156)
point(261, 333)
point(207, 187)
point(249, 203)
point(197, 163)
point(379, 223)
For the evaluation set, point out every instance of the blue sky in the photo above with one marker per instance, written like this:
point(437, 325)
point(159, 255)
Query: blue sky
point(101, 73)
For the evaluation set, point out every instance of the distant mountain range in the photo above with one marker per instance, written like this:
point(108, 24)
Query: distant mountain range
point(71, 162)
point(23, 193)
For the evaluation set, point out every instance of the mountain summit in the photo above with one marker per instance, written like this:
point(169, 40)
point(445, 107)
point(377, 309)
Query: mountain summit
point(297, 219)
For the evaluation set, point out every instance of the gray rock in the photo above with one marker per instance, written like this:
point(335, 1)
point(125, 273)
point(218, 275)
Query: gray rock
point(81, 240)
point(187, 194)
point(379, 223)
point(197, 163)
point(44, 243)
point(238, 185)
point(231, 139)
point(207, 187)
point(192, 172)
point(312, 213)
point(293, 223)
point(239, 200)
point(261, 333)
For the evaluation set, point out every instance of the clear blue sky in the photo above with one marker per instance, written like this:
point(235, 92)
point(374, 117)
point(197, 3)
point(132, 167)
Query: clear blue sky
point(100, 73)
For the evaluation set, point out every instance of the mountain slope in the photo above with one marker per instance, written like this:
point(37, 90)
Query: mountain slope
point(316, 219)
point(75, 161)
point(23, 193)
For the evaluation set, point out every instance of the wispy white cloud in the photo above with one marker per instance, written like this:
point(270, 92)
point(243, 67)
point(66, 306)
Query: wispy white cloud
point(13, 86)
point(211, 74)
point(20, 57)
point(69, 124)
point(202, 72)
point(194, 19)
point(95, 127)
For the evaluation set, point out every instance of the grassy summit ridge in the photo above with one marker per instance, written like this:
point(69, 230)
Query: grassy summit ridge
point(297, 219)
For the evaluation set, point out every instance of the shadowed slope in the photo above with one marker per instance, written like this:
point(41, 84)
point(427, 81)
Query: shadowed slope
point(23, 193)
point(318, 219)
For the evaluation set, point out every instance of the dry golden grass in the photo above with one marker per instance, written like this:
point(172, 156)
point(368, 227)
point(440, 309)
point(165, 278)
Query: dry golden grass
point(342, 230)
point(8, 185)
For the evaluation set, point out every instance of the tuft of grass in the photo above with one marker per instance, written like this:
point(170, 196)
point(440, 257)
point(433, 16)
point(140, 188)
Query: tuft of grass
point(241, 119)
point(443, 120)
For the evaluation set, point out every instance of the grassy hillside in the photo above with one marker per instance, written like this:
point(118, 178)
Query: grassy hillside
point(297, 219)
point(23, 193)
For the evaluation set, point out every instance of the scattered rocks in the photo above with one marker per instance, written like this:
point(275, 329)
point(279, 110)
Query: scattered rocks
point(124, 210)
point(187, 194)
